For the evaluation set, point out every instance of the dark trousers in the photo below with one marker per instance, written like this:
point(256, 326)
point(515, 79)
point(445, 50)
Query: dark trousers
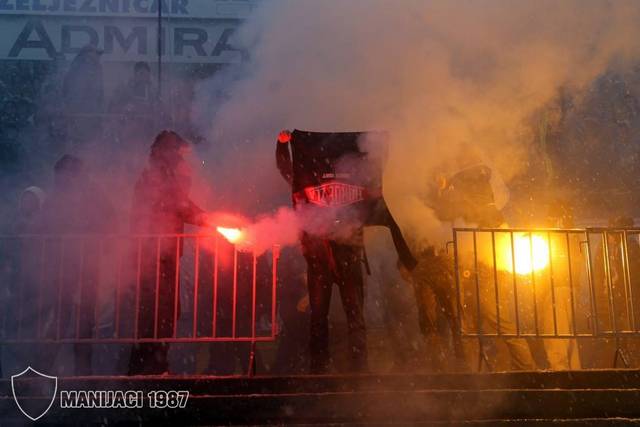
point(87, 324)
point(434, 287)
point(291, 356)
point(151, 358)
point(329, 262)
point(79, 318)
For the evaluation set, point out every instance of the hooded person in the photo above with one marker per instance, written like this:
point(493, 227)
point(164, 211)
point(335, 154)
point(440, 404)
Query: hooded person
point(78, 213)
point(20, 261)
point(474, 194)
point(161, 206)
point(30, 209)
point(137, 94)
point(13, 274)
point(83, 87)
point(83, 96)
point(77, 204)
point(135, 107)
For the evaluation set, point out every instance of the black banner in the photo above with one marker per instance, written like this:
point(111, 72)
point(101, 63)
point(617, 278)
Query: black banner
point(331, 170)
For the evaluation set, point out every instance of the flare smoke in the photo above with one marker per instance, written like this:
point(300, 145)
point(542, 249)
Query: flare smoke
point(440, 76)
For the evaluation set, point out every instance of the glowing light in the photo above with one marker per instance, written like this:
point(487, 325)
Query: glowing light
point(233, 235)
point(531, 253)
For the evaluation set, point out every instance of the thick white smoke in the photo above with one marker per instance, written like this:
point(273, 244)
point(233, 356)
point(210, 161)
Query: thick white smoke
point(438, 75)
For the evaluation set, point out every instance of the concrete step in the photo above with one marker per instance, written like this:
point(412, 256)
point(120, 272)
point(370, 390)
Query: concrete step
point(535, 398)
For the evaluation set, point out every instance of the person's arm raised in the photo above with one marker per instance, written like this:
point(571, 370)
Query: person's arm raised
point(283, 156)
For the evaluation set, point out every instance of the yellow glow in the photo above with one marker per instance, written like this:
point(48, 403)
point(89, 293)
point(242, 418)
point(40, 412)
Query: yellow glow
point(526, 261)
point(233, 235)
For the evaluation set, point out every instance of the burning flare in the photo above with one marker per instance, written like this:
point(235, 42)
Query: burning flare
point(233, 235)
point(531, 254)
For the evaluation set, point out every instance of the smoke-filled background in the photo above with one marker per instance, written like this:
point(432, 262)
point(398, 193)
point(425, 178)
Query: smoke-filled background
point(455, 83)
point(544, 92)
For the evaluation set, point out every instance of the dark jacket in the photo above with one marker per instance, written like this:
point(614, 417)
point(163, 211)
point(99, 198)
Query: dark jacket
point(311, 166)
point(468, 195)
point(161, 204)
point(81, 208)
point(83, 87)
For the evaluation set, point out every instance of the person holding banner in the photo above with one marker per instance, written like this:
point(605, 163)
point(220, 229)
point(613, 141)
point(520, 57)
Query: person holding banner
point(334, 182)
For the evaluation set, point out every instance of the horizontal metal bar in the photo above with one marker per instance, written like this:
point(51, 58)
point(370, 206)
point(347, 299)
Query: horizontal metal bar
point(519, 230)
point(107, 236)
point(526, 335)
point(139, 340)
point(632, 230)
point(151, 275)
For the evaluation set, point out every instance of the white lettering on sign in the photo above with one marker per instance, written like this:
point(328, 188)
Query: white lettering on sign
point(198, 31)
point(334, 194)
point(39, 38)
point(175, 7)
point(134, 8)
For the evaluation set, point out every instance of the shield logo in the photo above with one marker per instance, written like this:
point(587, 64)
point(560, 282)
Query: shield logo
point(34, 392)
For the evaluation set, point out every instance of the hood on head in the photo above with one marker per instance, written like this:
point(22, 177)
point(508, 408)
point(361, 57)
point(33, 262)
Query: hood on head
point(37, 192)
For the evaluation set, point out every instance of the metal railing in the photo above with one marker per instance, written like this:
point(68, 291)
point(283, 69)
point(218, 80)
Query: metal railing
point(548, 283)
point(135, 289)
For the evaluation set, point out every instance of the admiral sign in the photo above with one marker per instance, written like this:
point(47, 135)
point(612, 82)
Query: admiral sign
point(193, 31)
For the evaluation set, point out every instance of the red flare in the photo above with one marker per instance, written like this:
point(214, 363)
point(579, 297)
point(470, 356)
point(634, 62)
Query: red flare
point(233, 235)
